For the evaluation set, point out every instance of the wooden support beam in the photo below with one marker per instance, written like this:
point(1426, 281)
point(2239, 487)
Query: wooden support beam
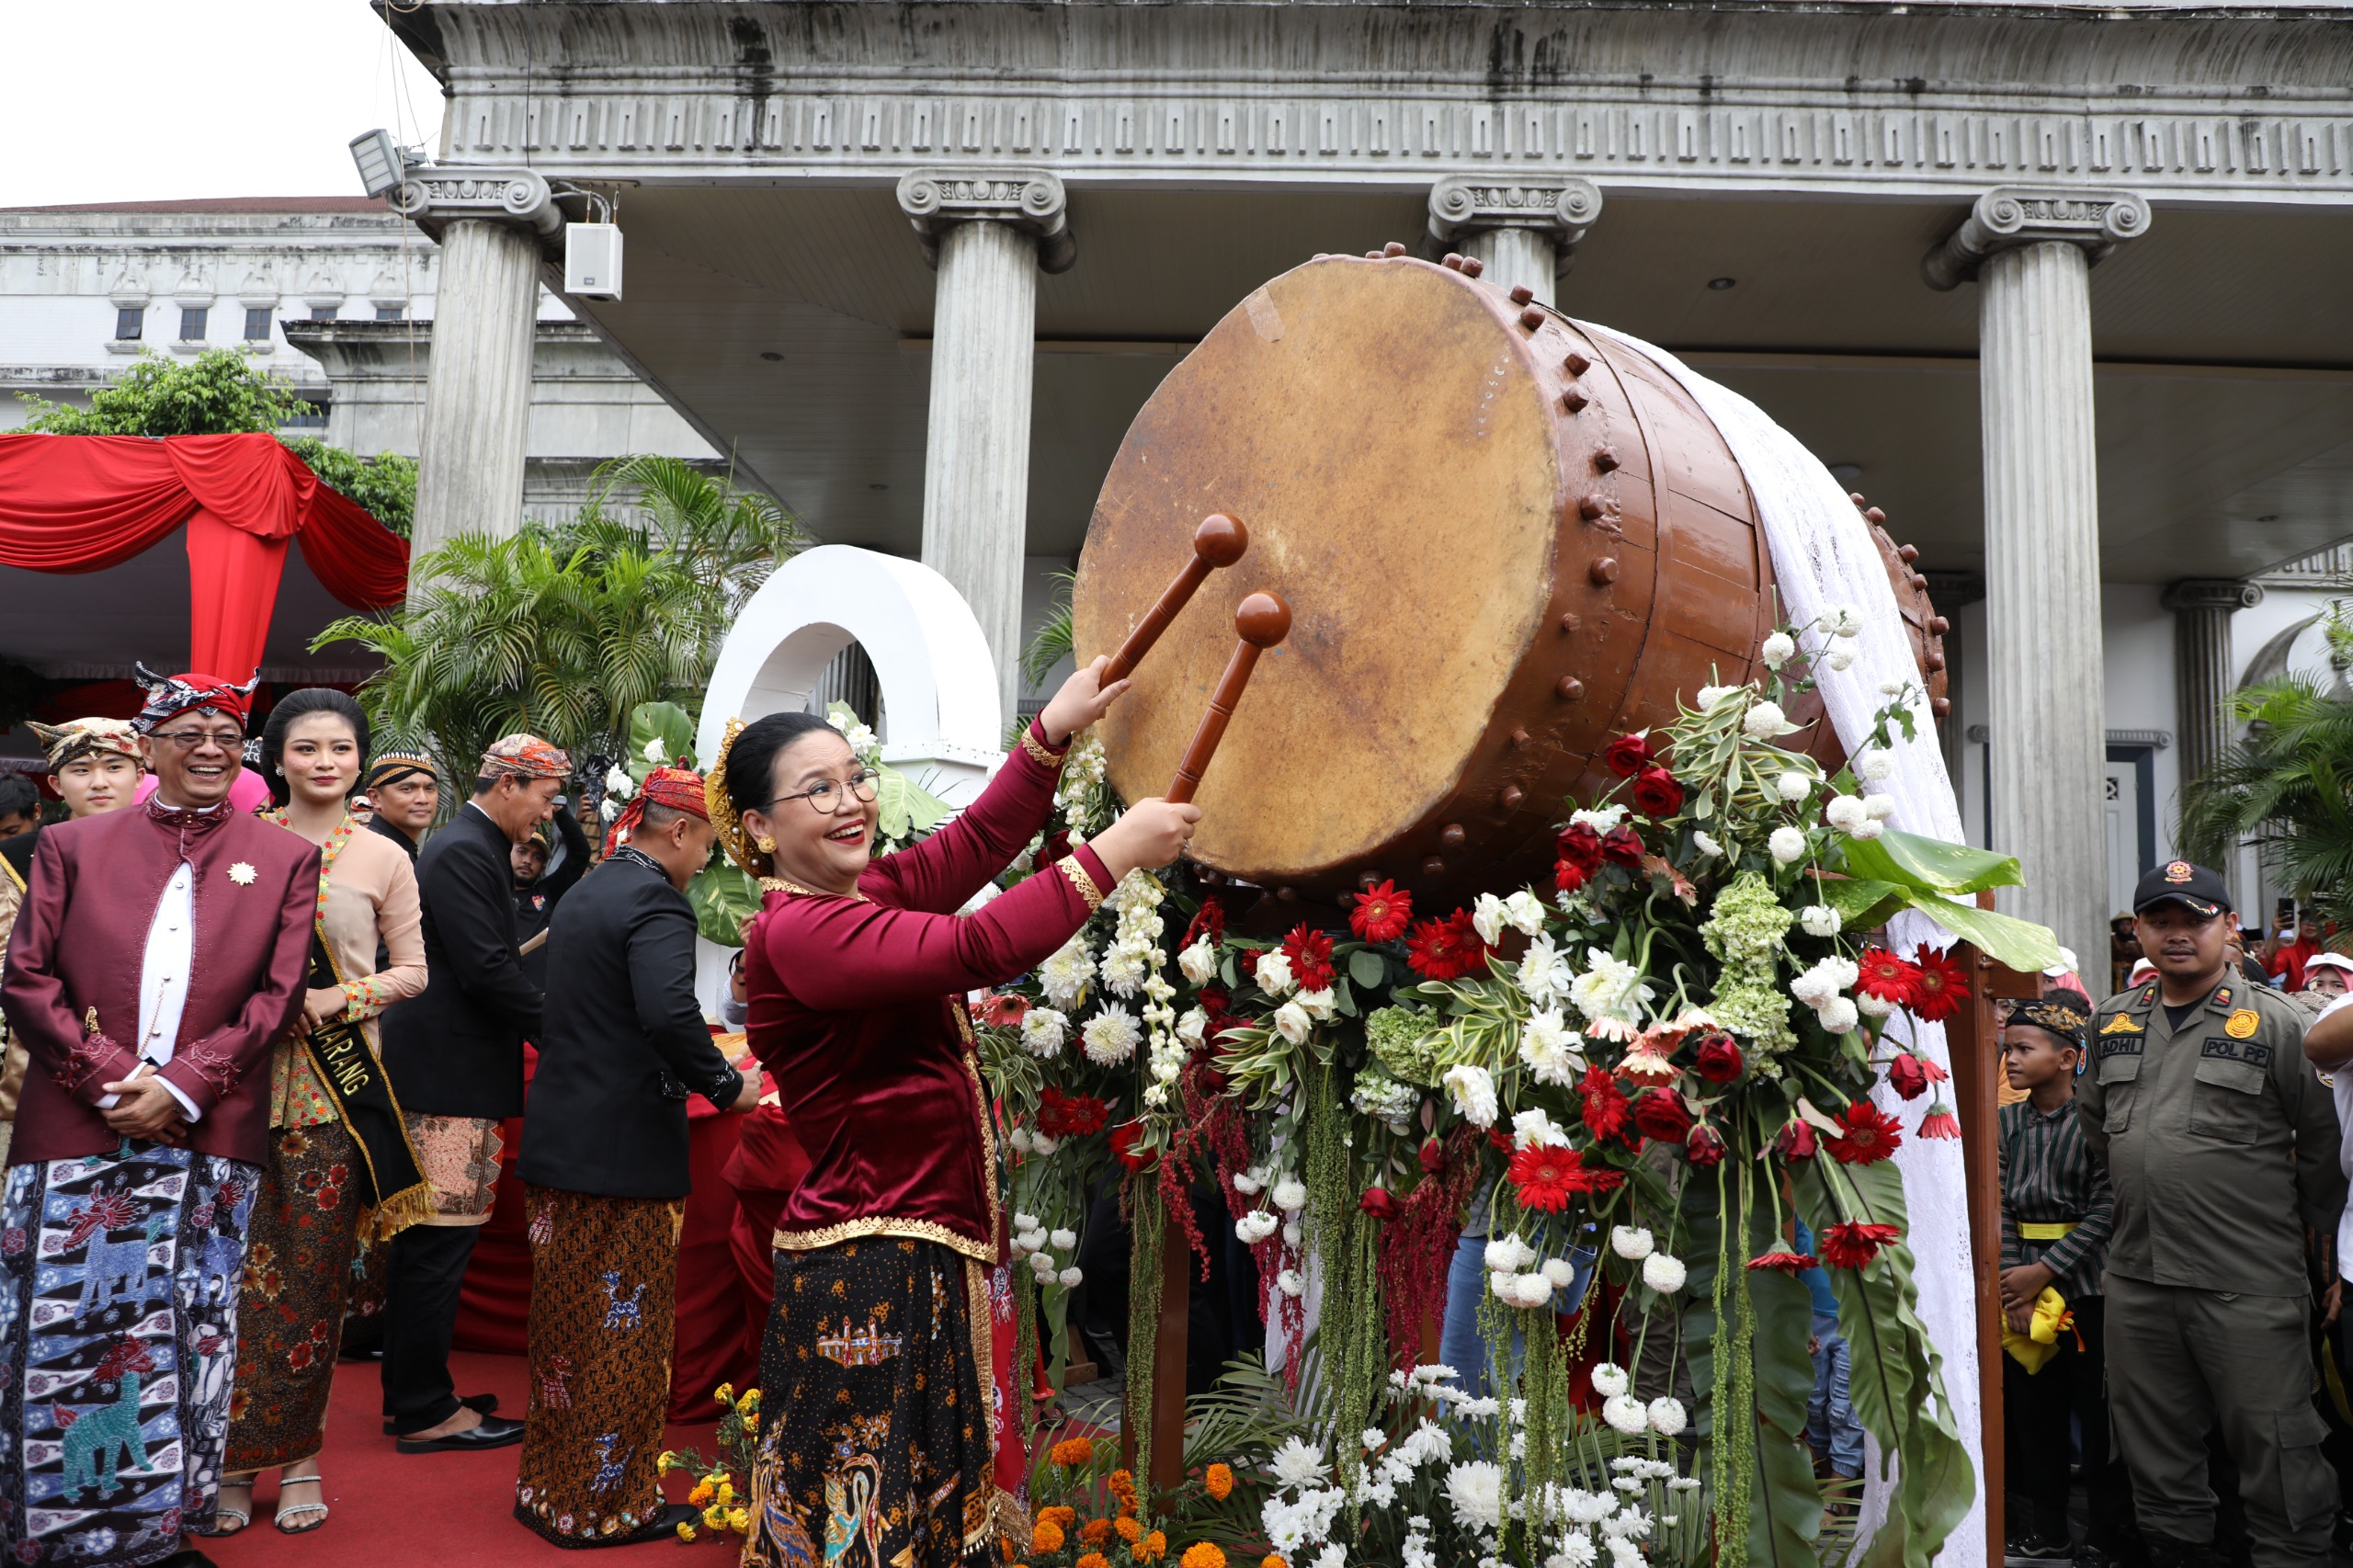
point(1168, 1353)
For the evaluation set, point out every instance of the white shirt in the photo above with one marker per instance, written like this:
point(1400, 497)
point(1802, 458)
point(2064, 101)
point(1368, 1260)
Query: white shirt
point(163, 981)
point(2340, 1084)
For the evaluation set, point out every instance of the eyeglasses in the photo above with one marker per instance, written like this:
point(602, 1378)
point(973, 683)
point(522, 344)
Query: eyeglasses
point(188, 740)
point(825, 799)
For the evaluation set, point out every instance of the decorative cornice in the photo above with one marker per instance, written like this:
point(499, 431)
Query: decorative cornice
point(2211, 593)
point(2010, 216)
point(437, 195)
point(1564, 209)
point(1031, 199)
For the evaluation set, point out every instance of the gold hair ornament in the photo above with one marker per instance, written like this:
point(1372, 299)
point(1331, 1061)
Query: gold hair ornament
point(724, 821)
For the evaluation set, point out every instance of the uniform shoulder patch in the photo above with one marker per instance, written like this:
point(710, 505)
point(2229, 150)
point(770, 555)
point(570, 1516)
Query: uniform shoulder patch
point(2124, 1023)
point(2242, 1024)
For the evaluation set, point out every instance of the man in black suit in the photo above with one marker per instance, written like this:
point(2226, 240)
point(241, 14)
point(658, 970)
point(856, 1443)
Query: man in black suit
point(455, 1055)
point(404, 795)
point(603, 1167)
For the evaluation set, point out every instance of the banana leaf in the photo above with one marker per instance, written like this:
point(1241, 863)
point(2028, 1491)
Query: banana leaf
point(662, 722)
point(1866, 903)
point(723, 898)
point(1930, 865)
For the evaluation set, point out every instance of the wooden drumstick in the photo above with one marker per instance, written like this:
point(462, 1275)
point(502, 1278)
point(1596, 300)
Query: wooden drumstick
point(1218, 541)
point(1262, 621)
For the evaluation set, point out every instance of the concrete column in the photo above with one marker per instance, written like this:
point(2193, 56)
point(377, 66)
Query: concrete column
point(1522, 235)
point(987, 235)
point(2030, 253)
point(495, 227)
point(2202, 667)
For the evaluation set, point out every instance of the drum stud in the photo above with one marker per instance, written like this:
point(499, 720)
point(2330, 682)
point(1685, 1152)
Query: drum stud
point(1518, 739)
point(1605, 460)
point(1454, 262)
point(1919, 580)
point(1472, 267)
point(1288, 894)
point(1940, 706)
point(1577, 364)
point(1372, 255)
point(1521, 293)
point(1604, 570)
point(1510, 796)
point(1392, 249)
point(1571, 690)
point(1367, 880)
point(1570, 620)
point(1574, 401)
point(1934, 661)
point(1434, 866)
point(1592, 507)
point(1907, 553)
point(1857, 497)
point(1531, 318)
point(1939, 626)
point(1873, 514)
point(1452, 836)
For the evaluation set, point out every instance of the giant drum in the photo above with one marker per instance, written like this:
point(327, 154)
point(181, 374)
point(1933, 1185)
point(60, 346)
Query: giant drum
point(1505, 538)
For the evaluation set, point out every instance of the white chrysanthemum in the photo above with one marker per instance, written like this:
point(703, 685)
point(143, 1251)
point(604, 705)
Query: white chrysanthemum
point(1588, 1509)
point(1550, 1048)
point(1625, 1414)
point(1705, 843)
point(1374, 1440)
point(1292, 1231)
point(1535, 1127)
point(655, 753)
point(1293, 1023)
point(1609, 988)
point(1838, 1014)
point(1868, 829)
point(1333, 1556)
point(1321, 1005)
point(1662, 1272)
point(1065, 1239)
point(1878, 808)
point(1668, 1416)
point(1842, 620)
point(1072, 1278)
point(1297, 1463)
point(1873, 1007)
point(1487, 917)
point(1043, 1265)
point(1601, 819)
point(1891, 689)
point(1545, 973)
point(610, 809)
point(1508, 1254)
point(1524, 912)
point(1779, 650)
point(1632, 1243)
point(1474, 1092)
point(1575, 1551)
point(1027, 1222)
point(1252, 1181)
point(1197, 962)
point(1273, 974)
point(1290, 1195)
point(1044, 1144)
point(1764, 721)
point(1609, 1380)
point(1474, 1491)
point(1844, 811)
point(1839, 658)
point(1875, 764)
point(1820, 920)
point(1256, 1227)
point(1066, 975)
point(1709, 696)
point(1019, 1139)
point(1560, 1273)
point(1291, 1281)
point(1044, 1031)
point(1794, 786)
point(1110, 1037)
point(1786, 844)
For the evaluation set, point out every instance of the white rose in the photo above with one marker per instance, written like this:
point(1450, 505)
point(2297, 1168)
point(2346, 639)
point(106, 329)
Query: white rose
point(1786, 844)
point(1705, 843)
point(1273, 973)
point(1873, 764)
point(1071, 1278)
point(1292, 1022)
point(1474, 1092)
point(1291, 1282)
point(1321, 1005)
point(1065, 1240)
point(1779, 650)
point(1626, 1414)
point(1820, 920)
point(1662, 1272)
point(1631, 1241)
point(1764, 721)
point(1193, 1028)
point(1290, 1195)
point(1197, 962)
point(1667, 1417)
point(1837, 1015)
point(1525, 911)
point(1609, 1380)
point(1487, 917)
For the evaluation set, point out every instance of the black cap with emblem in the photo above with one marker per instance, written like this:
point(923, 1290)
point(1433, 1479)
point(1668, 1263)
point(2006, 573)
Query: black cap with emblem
point(2194, 888)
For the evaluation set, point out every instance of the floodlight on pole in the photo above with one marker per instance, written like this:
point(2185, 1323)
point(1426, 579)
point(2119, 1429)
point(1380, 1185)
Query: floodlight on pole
point(381, 167)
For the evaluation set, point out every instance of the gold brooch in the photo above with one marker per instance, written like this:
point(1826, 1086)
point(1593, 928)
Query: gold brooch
point(241, 873)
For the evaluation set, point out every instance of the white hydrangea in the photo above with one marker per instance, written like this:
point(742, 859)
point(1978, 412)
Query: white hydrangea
point(1631, 1241)
point(1273, 973)
point(1779, 650)
point(1385, 1100)
point(1066, 975)
point(1474, 1092)
point(1662, 1272)
point(1525, 912)
point(1626, 1414)
point(1668, 1416)
point(1110, 1037)
point(1044, 1031)
point(1609, 1380)
point(1820, 920)
point(1794, 786)
point(1785, 844)
point(1764, 721)
point(1197, 962)
point(1290, 1195)
point(1550, 1050)
point(1474, 1491)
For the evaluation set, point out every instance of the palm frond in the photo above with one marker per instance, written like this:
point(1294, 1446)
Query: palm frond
point(1054, 637)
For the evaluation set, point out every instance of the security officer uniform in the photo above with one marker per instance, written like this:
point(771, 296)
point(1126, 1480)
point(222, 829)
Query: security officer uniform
point(2221, 1144)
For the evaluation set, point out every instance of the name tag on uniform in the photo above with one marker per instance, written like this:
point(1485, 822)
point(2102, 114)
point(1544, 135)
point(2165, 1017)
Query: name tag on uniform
point(2251, 1052)
point(2112, 1045)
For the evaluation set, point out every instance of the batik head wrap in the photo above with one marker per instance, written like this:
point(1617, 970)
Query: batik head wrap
point(524, 756)
point(2061, 1015)
point(78, 738)
point(394, 763)
point(170, 695)
point(679, 788)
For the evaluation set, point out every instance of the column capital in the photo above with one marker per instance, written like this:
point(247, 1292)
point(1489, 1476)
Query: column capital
point(1030, 199)
point(2010, 216)
point(1564, 209)
point(2211, 593)
point(435, 195)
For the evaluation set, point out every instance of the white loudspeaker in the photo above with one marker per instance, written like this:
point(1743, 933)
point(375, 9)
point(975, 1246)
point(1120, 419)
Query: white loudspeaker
point(592, 260)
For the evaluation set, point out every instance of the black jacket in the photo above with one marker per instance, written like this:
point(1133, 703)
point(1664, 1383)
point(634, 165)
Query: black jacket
point(535, 905)
point(376, 824)
point(457, 1049)
point(625, 1040)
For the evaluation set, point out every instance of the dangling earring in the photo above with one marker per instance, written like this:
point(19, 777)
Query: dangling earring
point(767, 845)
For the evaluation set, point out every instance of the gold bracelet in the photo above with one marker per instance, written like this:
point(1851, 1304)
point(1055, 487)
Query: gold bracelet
point(1052, 761)
point(1087, 891)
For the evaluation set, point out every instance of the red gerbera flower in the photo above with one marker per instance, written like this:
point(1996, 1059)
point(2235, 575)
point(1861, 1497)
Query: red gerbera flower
point(1606, 1111)
point(1940, 1122)
point(1447, 950)
point(1907, 1077)
point(1887, 977)
point(1788, 1262)
point(1000, 1009)
point(1310, 952)
point(1070, 1115)
point(1381, 912)
point(1627, 755)
point(1940, 985)
point(1546, 1177)
point(1568, 875)
point(1852, 1245)
point(1208, 922)
point(1871, 1135)
point(1596, 1175)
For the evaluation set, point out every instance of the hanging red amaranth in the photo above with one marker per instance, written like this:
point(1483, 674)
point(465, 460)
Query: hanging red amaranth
point(1417, 1246)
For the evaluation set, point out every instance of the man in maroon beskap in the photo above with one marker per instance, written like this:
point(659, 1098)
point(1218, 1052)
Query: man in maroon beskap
point(160, 952)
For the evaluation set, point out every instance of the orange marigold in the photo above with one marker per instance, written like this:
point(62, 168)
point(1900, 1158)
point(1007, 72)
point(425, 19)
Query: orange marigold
point(1095, 1532)
point(1062, 1514)
point(1154, 1545)
point(1271, 1561)
point(1046, 1537)
point(1074, 1452)
point(1130, 1531)
point(1094, 1560)
point(1202, 1554)
point(1219, 1481)
point(1122, 1485)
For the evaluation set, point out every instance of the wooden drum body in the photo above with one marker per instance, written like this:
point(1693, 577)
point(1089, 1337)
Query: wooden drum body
point(1506, 540)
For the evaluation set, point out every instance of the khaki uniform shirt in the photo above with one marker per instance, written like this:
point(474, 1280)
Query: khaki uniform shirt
point(2218, 1138)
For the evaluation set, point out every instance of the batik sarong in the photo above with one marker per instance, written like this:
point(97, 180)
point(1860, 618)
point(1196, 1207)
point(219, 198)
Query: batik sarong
point(290, 1325)
point(604, 1285)
point(458, 1155)
point(120, 1277)
point(874, 1410)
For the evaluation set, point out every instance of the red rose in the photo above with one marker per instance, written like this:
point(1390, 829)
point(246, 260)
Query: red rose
point(1124, 1139)
point(1622, 845)
point(1596, 1175)
point(1796, 1140)
point(1870, 1135)
point(1704, 1146)
point(1663, 1115)
point(1381, 912)
point(1853, 1245)
point(1718, 1059)
point(1907, 1077)
point(1627, 755)
point(1378, 1203)
point(1057, 846)
point(1433, 1156)
point(1210, 922)
point(1580, 846)
point(1656, 794)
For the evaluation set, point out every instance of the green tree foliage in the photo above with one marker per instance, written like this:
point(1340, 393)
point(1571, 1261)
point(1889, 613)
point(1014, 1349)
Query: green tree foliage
point(219, 393)
point(2287, 786)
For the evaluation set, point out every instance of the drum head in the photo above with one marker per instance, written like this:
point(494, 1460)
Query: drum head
point(1382, 431)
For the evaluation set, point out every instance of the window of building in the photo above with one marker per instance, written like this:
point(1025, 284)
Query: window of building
point(312, 413)
point(130, 322)
point(323, 312)
point(391, 312)
point(257, 324)
point(192, 322)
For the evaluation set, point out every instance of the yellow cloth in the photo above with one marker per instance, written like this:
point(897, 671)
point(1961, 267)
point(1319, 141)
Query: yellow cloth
point(2045, 1230)
point(2041, 1342)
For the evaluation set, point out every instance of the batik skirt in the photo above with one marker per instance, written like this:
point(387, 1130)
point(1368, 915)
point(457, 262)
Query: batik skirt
point(604, 1288)
point(298, 1266)
point(120, 1277)
point(875, 1383)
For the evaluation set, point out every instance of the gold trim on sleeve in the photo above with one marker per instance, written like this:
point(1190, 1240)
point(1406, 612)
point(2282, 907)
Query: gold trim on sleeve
point(882, 1225)
point(1045, 757)
point(1079, 880)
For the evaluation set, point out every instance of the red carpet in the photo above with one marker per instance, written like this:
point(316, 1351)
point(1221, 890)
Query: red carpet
point(392, 1510)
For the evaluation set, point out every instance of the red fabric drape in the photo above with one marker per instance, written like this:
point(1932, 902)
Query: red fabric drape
point(71, 503)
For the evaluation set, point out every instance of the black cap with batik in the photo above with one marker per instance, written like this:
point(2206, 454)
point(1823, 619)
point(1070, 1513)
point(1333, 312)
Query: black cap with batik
point(2194, 888)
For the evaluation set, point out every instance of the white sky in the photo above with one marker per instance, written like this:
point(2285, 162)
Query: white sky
point(135, 100)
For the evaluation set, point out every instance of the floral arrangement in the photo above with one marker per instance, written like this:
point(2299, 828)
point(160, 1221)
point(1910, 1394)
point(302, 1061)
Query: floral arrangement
point(722, 1487)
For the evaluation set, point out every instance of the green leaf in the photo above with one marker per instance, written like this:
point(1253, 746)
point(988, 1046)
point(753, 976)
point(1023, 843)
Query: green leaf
point(723, 898)
point(2021, 944)
point(1930, 865)
point(664, 727)
point(1368, 969)
point(1862, 904)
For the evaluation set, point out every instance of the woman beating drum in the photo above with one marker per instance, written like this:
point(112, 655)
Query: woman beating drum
point(885, 1418)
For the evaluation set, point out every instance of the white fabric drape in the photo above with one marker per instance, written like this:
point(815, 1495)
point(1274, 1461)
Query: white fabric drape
point(1824, 557)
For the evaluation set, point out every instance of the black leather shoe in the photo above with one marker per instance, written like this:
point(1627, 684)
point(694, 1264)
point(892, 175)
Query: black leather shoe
point(480, 1403)
point(492, 1433)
